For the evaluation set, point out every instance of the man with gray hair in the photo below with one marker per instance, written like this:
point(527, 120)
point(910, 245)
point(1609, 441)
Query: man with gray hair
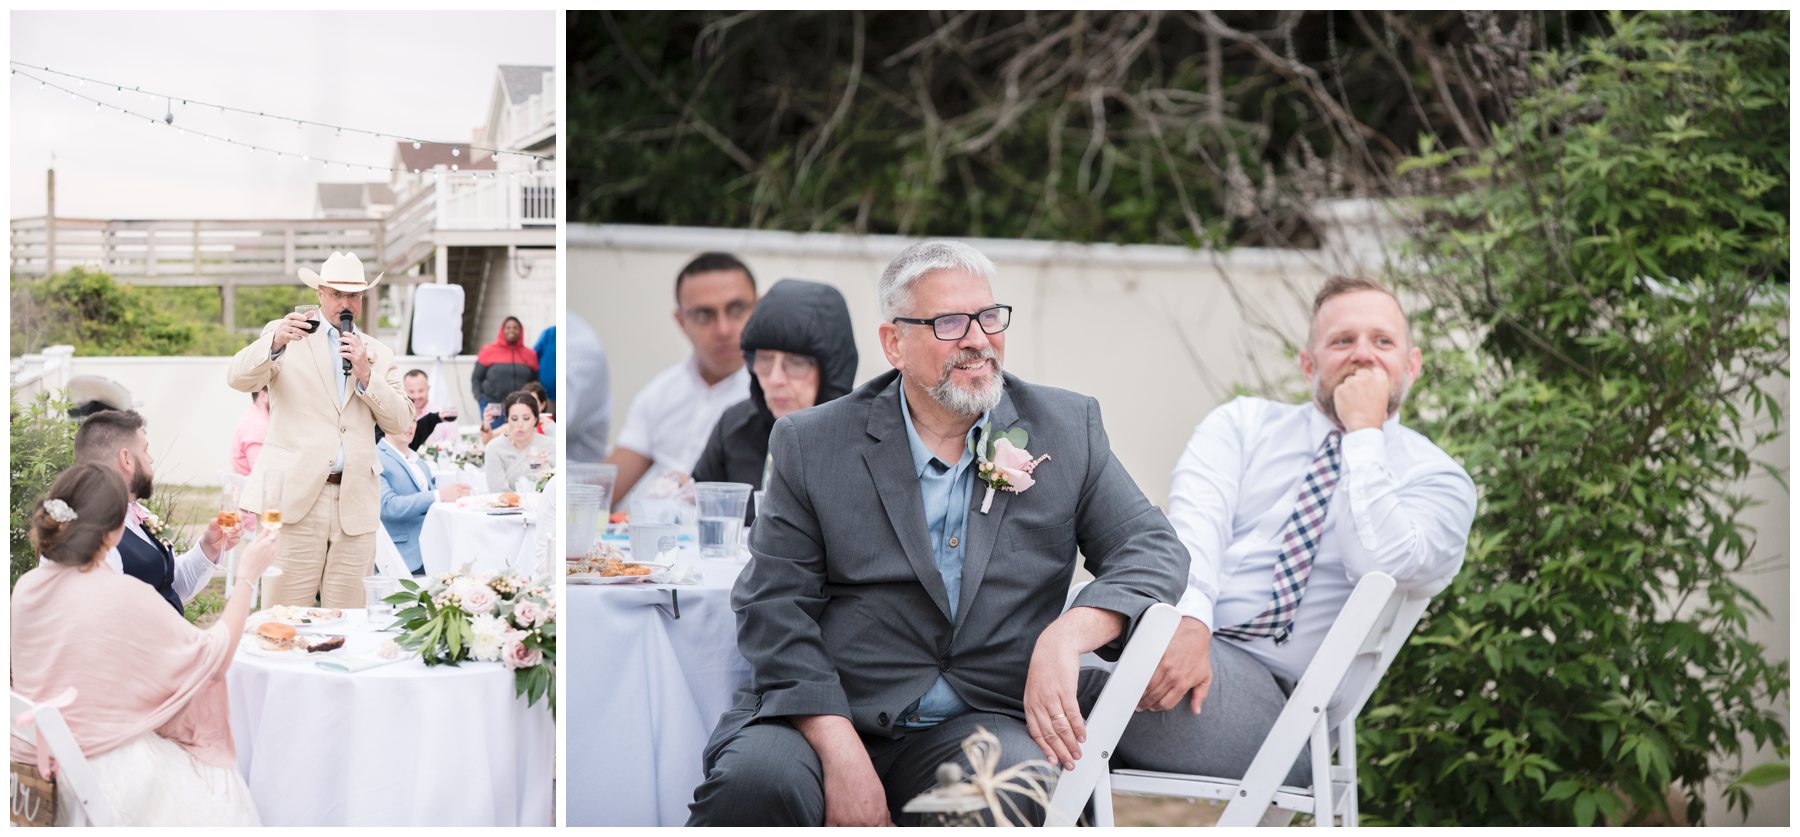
point(901, 595)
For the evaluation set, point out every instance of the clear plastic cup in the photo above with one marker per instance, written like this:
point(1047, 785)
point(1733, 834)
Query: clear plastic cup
point(375, 589)
point(721, 516)
point(585, 503)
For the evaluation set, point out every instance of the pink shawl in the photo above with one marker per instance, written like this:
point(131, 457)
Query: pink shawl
point(135, 664)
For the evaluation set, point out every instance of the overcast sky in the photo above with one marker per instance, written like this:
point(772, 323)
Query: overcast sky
point(424, 74)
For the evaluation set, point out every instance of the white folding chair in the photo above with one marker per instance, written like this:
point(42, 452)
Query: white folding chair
point(1362, 643)
point(1130, 675)
point(388, 560)
point(72, 768)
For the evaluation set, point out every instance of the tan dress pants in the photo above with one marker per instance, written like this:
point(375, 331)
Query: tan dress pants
point(317, 559)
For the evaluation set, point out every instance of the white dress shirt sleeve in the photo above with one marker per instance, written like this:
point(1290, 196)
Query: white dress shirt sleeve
point(1203, 495)
point(640, 422)
point(192, 572)
point(1414, 528)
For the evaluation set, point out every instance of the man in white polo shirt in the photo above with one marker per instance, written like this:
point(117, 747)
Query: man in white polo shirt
point(672, 416)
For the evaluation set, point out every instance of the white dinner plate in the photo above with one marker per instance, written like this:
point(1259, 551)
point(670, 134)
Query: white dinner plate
point(250, 645)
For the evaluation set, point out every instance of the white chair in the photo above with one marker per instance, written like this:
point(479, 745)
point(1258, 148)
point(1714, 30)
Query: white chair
point(1362, 643)
point(1106, 722)
point(389, 562)
point(72, 768)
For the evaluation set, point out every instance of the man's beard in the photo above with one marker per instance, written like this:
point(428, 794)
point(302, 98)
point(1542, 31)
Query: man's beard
point(1326, 398)
point(142, 483)
point(965, 402)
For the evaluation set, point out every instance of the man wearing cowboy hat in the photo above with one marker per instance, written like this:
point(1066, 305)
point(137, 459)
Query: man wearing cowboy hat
point(321, 442)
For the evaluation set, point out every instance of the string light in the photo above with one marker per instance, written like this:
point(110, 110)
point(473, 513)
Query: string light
point(279, 154)
point(339, 129)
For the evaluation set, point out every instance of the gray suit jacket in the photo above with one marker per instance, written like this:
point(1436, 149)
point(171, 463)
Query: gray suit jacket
point(842, 611)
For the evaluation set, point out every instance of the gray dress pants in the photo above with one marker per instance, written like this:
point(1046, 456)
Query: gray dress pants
point(1240, 709)
point(766, 774)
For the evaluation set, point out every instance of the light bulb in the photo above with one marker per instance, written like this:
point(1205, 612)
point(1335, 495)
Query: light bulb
point(415, 146)
point(453, 167)
point(456, 152)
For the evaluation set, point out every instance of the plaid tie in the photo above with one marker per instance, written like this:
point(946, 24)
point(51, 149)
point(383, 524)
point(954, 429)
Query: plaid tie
point(1299, 543)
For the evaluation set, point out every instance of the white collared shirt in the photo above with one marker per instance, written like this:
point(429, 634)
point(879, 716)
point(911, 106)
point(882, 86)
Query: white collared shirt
point(1401, 506)
point(673, 415)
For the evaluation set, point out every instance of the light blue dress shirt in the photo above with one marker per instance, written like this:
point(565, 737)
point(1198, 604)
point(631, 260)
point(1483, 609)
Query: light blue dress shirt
point(337, 365)
point(945, 490)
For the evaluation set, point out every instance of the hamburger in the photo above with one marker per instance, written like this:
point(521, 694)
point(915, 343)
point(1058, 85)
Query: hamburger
point(275, 636)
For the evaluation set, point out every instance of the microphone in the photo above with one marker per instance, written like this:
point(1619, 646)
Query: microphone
point(345, 326)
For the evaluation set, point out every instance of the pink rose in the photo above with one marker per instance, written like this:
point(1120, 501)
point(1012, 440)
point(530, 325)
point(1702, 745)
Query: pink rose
point(517, 655)
point(527, 613)
point(479, 599)
point(1014, 464)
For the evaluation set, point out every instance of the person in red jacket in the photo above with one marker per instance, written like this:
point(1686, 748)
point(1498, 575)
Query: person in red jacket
point(503, 367)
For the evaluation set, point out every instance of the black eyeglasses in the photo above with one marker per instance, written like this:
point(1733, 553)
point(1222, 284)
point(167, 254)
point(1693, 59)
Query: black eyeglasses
point(956, 326)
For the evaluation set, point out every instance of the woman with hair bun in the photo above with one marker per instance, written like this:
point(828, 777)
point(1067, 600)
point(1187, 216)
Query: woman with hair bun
point(145, 690)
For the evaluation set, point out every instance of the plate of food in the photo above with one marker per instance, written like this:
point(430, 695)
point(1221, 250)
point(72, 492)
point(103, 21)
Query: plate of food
point(281, 641)
point(615, 571)
point(299, 617)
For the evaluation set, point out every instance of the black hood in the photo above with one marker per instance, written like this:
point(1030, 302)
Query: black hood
point(805, 318)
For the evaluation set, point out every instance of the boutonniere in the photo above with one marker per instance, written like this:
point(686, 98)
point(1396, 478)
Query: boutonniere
point(156, 528)
point(1005, 463)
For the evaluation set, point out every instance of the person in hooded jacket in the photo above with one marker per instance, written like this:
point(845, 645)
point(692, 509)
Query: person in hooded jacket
point(503, 367)
point(801, 352)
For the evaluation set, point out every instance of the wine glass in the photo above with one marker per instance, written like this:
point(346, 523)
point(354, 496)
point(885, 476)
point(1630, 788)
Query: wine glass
point(271, 499)
point(228, 523)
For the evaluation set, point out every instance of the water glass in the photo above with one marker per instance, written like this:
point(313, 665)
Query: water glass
point(721, 509)
point(596, 473)
point(585, 504)
point(375, 589)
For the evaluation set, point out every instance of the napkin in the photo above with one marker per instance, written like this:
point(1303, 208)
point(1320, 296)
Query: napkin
point(359, 662)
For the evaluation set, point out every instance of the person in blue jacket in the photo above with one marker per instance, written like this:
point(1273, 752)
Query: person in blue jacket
point(407, 491)
point(546, 352)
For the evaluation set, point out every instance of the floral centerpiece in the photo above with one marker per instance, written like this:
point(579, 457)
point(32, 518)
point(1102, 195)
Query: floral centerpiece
point(505, 618)
point(456, 454)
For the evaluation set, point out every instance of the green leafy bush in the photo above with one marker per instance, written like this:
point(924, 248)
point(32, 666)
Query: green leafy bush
point(88, 310)
point(1607, 299)
point(43, 446)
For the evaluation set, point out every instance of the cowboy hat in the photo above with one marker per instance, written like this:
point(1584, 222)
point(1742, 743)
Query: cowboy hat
point(343, 272)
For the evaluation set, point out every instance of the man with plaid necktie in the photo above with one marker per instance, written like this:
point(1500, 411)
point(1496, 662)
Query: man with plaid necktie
point(1283, 508)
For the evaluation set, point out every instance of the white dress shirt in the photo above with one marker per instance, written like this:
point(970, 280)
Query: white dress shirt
point(1401, 506)
point(673, 415)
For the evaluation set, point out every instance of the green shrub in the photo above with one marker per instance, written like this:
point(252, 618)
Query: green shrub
point(1607, 306)
point(88, 310)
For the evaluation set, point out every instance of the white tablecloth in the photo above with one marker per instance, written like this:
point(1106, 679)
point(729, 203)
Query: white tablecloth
point(644, 693)
point(473, 477)
point(452, 537)
point(398, 745)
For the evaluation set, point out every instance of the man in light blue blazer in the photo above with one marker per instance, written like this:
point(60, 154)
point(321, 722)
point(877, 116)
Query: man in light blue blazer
point(407, 491)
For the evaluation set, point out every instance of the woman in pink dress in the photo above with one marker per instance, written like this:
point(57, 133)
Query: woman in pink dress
point(148, 707)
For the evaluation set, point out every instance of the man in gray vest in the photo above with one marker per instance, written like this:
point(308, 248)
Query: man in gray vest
point(911, 562)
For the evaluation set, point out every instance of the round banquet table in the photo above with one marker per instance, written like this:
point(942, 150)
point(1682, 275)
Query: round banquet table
point(453, 536)
point(401, 744)
point(645, 692)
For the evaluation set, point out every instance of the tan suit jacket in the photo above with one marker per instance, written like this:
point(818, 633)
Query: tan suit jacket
point(307, 423)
